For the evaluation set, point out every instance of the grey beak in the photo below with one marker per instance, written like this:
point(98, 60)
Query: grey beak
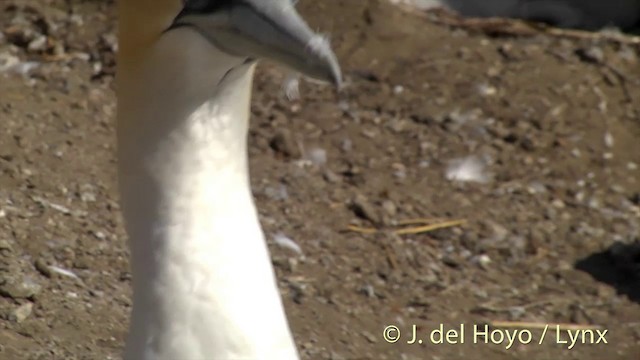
point(270, 29)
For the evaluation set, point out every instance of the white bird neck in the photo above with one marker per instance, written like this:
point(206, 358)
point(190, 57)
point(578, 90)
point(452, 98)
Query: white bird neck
point(204, 287)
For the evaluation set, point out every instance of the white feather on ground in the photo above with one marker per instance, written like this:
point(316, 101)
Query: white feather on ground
point(291, 86)
point(468, 169)
point(62, 271)
point(286, 242)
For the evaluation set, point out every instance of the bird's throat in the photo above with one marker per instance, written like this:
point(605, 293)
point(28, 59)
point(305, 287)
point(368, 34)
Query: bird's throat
point(202, 278)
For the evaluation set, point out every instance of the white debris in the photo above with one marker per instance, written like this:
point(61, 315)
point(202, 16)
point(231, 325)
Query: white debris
point(291, 86)
point(63, 272)
point(76, 19)
point(471, 168)
point(346, 145)
point(8, 61)
point(483, 260)
point(21, 313)
point(99, 235)
point(61, 208)
point(279, 192)
point(38, 44)
point(536, 188)
point(12, 64)
point(486, 90)
point(576, 153)
point(317, 156)
point(608, 139)
point(286, 242)
point(369, 290)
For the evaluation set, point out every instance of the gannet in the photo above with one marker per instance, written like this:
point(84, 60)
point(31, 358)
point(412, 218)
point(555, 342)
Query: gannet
point(203, 283)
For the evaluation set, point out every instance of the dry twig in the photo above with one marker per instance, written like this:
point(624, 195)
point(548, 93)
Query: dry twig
point(423, 227)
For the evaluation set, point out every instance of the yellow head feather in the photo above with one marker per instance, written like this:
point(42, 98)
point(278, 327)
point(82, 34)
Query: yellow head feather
point(141, 22)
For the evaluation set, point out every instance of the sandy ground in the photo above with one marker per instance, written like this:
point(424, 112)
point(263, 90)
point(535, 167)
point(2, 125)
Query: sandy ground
point(533, 140)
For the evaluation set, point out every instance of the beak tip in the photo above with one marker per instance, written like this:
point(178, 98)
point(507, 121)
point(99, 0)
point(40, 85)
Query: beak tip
point(336, 78)
point(334, 73)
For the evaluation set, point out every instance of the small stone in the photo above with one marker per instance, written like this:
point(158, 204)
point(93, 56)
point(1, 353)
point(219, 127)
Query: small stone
point(369, 291)
point(96, 293)
point(430, 277)
point(99, 235)
point(21, 313)
point(576, 153)
point(8, 62)
point(87, 197)
point(346, 145)
point(111, 41)
point(486, 90)
point(5, 247)
point(516, 312)
point(608, 139)
point(38, 44)
point(397, 125)
point(19, 288)
point(43, 268)
point(82, 262)
point(593, 54)
point(369, 336)
point(483, 260)
point(298, 292)
point(451, 261)
point(278, 192)
point(317, 156)
point(389, 207)
point(399, 171)
point(292, 264)
point(283, 143)
point(331, 177)
point(363, 209)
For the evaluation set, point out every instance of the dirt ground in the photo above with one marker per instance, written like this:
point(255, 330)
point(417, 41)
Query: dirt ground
point(533, 140)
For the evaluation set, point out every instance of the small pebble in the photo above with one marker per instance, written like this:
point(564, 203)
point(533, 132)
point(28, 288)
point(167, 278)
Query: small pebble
point(21, 313)
point(19, 287)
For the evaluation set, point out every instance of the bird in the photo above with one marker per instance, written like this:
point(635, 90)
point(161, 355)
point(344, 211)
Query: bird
point(203, 283)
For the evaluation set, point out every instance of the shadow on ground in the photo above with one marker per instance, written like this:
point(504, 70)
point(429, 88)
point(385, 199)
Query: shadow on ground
point(618, 266)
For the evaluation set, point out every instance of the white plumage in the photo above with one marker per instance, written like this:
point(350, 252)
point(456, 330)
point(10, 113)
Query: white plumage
point(204, 287)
